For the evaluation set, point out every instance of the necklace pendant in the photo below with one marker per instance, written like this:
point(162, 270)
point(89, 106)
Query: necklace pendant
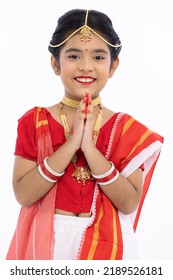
point(82, 174)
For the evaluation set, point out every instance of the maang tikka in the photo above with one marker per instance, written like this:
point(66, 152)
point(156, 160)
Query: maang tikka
point(85, 35)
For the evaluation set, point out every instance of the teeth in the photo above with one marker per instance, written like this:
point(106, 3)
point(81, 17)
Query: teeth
point(84, 80)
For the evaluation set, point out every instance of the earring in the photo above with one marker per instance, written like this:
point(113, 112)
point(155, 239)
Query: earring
point(57, 71)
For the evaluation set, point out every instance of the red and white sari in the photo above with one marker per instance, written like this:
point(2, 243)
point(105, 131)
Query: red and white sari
point(131, 144)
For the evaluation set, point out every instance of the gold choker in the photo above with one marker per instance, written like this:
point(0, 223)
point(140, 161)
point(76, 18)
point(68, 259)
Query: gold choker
point(75, 103)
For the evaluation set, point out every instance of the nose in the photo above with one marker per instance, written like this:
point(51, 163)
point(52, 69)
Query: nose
point(86, 65)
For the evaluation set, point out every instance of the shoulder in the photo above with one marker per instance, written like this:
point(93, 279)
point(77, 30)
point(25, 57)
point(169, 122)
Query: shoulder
point(108, 115)
point(28, 116)
point(124, 119)
point(120, 118)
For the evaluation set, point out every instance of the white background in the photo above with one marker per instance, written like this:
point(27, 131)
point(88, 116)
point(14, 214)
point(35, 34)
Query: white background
point(142, 86)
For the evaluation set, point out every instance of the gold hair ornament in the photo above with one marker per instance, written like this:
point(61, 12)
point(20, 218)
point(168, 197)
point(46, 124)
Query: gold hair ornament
point(85, 35)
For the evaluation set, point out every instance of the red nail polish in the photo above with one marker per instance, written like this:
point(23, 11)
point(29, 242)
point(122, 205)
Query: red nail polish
point(86, 110)
point(87, 98)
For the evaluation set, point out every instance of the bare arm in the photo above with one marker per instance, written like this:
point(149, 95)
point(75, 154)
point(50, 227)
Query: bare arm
point(28, 184)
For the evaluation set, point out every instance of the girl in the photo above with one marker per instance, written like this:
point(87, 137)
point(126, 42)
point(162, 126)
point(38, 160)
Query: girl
point(81, 171)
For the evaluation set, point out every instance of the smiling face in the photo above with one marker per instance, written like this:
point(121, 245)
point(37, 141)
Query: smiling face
point(84, 66)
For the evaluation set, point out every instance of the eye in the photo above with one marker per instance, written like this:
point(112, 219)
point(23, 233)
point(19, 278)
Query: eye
point(99, 57)
point(73, 56)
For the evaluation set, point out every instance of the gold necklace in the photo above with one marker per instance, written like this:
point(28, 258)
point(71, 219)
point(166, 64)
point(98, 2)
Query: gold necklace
point(75, 103)
point(81, 173)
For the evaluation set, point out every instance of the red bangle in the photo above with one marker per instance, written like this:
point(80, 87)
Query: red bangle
point(47, 173)
point(108, 178)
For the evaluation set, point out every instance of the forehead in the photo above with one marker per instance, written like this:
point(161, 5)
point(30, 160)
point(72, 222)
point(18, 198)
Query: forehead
point(94, 43)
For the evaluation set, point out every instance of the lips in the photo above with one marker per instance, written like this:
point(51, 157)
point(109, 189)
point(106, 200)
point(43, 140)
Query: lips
point(85, 80)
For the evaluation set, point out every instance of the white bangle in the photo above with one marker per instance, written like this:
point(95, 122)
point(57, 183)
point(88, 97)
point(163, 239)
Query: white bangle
point(111, 180)
point(44, 176)
point(53, 172)
point(106, 173)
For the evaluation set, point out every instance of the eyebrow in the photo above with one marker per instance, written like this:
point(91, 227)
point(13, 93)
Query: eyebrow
point(101, 51)
point(79, 50)
point(73, 50)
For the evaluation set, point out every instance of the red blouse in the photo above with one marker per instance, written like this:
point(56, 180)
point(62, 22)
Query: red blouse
point(71, 195)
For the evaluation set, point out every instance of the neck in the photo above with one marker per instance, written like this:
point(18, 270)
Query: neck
point(75, 103)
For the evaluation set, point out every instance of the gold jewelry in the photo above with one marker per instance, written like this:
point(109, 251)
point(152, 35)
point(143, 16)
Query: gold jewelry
point(75, 103)
point(81, 173)
point(85, 35)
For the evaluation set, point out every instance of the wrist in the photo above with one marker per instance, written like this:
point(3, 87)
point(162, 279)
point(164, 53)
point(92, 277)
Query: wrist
point(88, 148)
point(72, 144)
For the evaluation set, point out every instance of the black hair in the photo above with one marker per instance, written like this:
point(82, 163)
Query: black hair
point(74, 19)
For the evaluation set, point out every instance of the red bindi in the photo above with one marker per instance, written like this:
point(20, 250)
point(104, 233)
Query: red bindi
point(86, 50)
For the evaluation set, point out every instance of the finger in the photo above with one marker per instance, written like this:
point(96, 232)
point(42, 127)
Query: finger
point(87, 101)
point(87, 98)
point(85, 110)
